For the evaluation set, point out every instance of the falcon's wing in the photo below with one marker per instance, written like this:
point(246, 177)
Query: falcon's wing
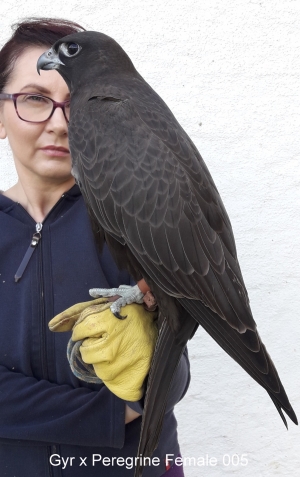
point(161, 202)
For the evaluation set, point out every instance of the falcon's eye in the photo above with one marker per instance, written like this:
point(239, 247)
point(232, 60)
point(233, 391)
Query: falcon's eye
point(70, 49)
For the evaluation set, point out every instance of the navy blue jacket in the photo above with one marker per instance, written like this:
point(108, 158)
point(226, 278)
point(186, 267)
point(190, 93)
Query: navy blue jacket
point(44, 409)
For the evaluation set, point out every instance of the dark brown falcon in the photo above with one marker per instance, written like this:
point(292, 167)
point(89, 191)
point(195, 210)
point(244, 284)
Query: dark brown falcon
point(152, 199)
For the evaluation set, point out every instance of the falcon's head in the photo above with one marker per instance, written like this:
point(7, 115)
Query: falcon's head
point(86, 57)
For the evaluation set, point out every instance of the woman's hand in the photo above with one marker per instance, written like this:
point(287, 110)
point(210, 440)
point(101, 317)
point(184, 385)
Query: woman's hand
point(119, 351)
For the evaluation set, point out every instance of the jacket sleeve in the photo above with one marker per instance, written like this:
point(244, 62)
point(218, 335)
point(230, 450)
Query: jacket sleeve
point(45, 412)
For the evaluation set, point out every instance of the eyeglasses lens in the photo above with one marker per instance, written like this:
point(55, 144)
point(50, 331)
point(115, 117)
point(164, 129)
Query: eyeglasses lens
point(36, 108)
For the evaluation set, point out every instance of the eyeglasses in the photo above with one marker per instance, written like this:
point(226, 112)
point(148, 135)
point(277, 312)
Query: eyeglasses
point(36, 108)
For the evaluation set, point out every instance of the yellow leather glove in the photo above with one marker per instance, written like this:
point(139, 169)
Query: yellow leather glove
point(120, 351)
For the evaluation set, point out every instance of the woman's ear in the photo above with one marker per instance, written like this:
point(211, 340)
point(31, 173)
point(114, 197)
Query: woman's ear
point(2, 128)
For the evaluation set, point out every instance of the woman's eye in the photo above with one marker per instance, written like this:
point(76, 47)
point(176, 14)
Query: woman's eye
point(33, 99)
point(70, 49)
point(36, 99)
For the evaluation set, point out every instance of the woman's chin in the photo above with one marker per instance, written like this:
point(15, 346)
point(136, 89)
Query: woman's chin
point(56, 175)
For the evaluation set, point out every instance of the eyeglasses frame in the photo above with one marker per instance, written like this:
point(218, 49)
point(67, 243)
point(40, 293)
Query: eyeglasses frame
point(56, 104)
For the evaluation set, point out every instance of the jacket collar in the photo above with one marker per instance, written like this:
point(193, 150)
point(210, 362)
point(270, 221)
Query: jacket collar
point(14, 209)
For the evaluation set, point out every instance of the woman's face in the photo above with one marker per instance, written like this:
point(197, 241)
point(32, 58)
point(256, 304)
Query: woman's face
point(33, 145)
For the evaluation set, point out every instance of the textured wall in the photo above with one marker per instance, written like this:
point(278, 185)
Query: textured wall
point(229, 70)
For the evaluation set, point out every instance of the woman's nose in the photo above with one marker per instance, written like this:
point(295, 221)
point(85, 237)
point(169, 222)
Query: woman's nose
point(58, 123)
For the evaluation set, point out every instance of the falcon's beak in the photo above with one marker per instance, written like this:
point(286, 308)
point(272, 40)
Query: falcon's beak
point(48, 61)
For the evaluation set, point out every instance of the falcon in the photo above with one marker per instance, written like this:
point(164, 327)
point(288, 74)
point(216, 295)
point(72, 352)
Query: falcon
point(152, 199)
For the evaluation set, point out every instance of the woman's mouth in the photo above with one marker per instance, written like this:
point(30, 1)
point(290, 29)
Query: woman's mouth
point(55, 151)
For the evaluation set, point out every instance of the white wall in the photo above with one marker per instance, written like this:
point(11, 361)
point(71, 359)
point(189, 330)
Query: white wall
point(229, 70)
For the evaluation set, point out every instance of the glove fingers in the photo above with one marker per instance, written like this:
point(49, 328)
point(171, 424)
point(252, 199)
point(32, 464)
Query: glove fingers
point(120, 350)
point(99, 322)
point(65, 320)
point(82, 370)
point(94, 321)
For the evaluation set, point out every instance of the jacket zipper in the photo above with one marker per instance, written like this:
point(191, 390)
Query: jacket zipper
point(34, 242)
point(52, 449)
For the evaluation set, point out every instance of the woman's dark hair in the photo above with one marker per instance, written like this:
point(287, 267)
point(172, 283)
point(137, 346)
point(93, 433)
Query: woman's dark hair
point(32, 32)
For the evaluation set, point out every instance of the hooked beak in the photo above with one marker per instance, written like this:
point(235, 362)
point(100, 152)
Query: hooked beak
point(48, 61)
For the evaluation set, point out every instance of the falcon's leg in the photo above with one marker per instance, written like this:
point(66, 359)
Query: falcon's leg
point(126, 295)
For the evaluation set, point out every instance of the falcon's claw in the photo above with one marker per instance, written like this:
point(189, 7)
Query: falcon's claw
point(125, 294)
point(119, 316)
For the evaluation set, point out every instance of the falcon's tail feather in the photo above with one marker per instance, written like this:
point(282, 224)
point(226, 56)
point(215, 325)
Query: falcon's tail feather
point(258, 364)
point(168, 351)
point(290, 412)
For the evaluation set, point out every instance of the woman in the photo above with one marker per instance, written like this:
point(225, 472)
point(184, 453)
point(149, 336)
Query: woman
point(50, 422)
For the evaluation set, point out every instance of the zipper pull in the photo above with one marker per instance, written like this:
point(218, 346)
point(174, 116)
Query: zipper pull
point(33, 244)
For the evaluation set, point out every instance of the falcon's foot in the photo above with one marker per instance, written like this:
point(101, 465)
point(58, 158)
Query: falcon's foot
point(125, 295)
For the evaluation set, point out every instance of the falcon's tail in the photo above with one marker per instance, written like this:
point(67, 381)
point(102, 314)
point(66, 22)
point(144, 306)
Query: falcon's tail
point(247, 350)
point(168, 351)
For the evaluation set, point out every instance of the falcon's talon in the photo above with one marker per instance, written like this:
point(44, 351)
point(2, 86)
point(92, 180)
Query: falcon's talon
point(116, 305)
point(120, 317)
